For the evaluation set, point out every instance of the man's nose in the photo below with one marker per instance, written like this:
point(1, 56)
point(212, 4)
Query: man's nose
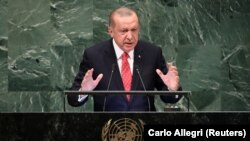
point(129, 35)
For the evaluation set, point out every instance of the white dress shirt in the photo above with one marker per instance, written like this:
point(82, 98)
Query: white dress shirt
point(119, 52)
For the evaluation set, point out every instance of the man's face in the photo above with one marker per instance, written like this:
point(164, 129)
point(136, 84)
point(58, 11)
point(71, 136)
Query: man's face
point(125, 31)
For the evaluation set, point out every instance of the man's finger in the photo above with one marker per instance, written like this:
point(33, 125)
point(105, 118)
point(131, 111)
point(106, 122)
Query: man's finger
point(88, 73)
point(170, 64)
point(159, 72)
point(171, 67)
point(97, 80)
point(91, 72)
point(99, 77)
point(175, 72)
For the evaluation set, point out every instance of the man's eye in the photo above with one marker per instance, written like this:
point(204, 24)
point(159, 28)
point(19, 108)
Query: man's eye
point(133, 30)
point(124, 31)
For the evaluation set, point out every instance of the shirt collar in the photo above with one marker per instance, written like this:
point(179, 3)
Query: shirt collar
point(119, 51)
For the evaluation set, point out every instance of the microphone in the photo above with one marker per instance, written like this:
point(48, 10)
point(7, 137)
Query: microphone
point(110, 78)
point(137, 69)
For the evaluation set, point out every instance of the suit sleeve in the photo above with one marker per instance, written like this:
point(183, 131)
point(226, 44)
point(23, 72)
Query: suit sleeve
point(161, 64)
point(74, 100)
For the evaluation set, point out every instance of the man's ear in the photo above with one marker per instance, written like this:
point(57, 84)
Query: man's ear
point(110, 31)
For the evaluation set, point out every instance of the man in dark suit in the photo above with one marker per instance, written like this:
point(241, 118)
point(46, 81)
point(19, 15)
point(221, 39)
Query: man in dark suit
point(124, 63)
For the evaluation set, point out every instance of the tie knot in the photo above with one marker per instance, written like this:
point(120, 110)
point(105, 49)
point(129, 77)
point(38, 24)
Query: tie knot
point(125, 56)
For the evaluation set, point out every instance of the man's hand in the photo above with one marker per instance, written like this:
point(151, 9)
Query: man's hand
point(88, 83)
point(171, 79)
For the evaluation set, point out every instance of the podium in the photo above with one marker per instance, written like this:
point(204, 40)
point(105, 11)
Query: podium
point(185, 94)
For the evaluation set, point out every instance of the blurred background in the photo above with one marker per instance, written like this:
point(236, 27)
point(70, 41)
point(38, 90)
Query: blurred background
point(42, 41)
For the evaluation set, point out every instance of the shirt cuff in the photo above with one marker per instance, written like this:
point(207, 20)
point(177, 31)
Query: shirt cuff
point(82, 97)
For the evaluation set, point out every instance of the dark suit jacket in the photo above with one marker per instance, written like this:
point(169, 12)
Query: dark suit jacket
point(101, 57)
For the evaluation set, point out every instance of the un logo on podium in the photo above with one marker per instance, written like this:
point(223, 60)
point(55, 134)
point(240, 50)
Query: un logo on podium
point(124, 129)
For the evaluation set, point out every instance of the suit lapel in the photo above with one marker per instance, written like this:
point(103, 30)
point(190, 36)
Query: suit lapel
point(137, 65)
point(110, 59)
point(138, 58)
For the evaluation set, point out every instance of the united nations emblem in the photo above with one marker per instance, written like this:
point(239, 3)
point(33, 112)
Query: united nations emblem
point(124, 129)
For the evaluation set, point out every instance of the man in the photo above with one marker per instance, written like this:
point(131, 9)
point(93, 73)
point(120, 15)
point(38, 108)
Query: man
point(124, 63)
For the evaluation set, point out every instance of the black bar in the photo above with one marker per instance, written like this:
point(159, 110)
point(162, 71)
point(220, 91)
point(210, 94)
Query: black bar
point(150, 93)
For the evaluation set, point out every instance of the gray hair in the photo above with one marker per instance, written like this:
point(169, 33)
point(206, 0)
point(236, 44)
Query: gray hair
point(122, 12)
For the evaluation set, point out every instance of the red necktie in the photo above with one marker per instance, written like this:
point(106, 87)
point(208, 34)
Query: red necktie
point(126, 74)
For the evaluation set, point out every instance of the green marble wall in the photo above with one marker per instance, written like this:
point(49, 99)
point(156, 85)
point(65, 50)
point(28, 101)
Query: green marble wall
point(41, 43)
